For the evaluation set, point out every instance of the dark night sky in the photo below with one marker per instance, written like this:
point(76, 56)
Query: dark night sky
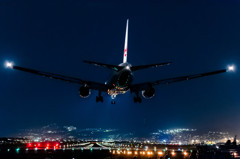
point(56, 36)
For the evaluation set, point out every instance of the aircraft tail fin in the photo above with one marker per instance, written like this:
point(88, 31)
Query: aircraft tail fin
point(125, 44)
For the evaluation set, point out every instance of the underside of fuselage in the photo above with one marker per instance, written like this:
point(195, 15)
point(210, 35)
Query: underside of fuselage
point(120, 81)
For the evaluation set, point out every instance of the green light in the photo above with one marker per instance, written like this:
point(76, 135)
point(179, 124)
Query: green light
point(164, 150)
point(8, 150)
point(17, 150)
point(91, 149)
point(82, 149)
point(73, 149)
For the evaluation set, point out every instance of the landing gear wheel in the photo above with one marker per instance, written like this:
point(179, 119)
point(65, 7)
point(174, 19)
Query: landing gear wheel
point(99, 99)
point(137, 100)
point(113, 102)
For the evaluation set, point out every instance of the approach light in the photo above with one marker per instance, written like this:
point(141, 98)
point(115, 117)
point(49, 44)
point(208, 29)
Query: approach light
point(9, 64)
point(231, 68)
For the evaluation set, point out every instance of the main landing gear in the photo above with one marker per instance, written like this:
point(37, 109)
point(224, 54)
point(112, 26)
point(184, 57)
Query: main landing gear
point(137, 99)
point(113, 102)
point(99, 98)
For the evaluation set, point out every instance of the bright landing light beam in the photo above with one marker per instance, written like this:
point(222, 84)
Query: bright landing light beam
point(8, 64)
point(231, 68)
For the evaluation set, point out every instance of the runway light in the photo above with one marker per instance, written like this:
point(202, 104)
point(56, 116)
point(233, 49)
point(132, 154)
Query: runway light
point(9, 64)
point(231, 68)
point(149, 153)
point(129, 152)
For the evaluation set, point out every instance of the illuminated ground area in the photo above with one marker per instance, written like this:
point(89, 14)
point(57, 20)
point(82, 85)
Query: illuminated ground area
point(100, 150)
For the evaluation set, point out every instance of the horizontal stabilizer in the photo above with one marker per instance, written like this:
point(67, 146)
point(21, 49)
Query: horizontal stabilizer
point(135, 68)
point(114, 67)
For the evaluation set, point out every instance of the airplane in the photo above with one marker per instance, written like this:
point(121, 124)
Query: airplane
point(121, 81)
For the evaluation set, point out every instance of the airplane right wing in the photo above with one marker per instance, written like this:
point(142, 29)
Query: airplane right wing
point(92, 85)
point(146, 85)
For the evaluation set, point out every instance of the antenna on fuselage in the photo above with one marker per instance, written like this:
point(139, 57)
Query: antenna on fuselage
point(125, 44)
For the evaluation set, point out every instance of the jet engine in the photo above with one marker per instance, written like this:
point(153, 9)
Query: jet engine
point(148, 93)
point(84, 91)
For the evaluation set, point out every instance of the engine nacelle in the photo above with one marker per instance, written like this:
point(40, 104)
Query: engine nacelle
point(84, 91)
point(148, 93)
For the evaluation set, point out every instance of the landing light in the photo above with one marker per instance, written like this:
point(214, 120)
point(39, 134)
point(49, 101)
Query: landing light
point(8, 64)
point(231, 68)
point(128, 67)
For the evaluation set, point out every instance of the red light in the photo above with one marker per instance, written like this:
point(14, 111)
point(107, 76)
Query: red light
point(29, 144)
point(56, 144)
point(47, 145)
point(39, 144)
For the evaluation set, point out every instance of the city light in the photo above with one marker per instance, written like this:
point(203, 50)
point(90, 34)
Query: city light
point(235, 154)
point(185, 153)
point(160, 153)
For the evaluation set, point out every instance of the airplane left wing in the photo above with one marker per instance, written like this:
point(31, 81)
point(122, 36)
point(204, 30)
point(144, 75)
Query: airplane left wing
point(91, 84)
point(146, 85)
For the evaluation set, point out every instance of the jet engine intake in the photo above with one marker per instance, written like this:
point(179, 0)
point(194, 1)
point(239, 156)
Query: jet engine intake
point(148, 93)
point(84, 91)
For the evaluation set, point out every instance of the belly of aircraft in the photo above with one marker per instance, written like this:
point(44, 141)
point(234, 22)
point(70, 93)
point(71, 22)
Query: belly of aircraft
point(118, 90)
